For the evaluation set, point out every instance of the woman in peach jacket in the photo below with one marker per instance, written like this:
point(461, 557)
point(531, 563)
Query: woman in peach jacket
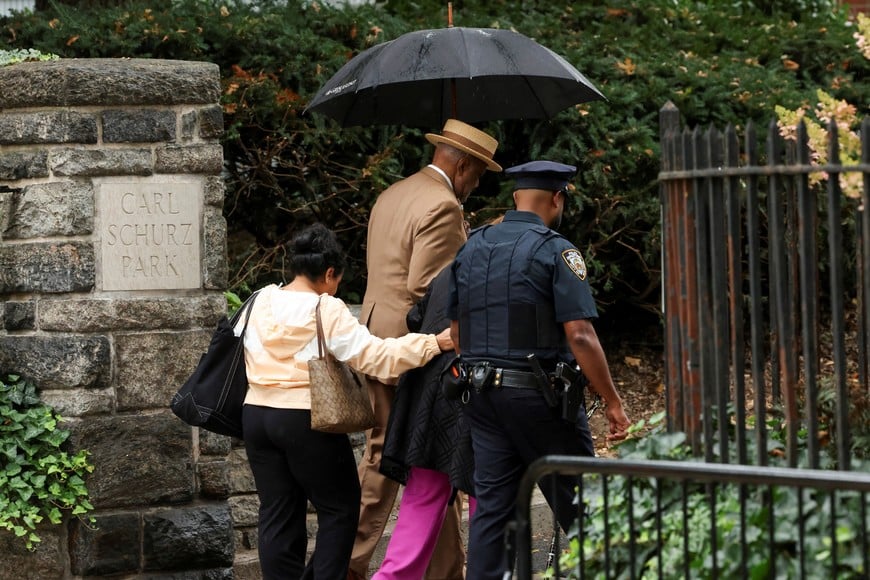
point(291, 463)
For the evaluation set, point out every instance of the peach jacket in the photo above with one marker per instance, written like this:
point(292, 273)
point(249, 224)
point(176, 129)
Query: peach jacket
point(282, 337)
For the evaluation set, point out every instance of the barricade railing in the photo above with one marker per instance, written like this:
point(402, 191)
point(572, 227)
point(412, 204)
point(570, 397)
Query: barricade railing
point(669, 519)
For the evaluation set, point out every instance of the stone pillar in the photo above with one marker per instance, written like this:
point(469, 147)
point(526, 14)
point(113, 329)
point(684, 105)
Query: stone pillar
point(112, 266)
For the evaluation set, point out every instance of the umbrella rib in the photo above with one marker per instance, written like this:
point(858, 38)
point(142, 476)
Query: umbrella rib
point(537, 98)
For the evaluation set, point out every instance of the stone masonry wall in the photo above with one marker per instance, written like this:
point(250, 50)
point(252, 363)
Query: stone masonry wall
point(112, 266)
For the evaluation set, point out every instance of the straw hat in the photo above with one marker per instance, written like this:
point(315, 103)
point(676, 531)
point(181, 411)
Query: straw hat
point(468, 139)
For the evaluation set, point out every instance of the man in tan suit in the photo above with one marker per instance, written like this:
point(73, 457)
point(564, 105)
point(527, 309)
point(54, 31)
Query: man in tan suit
point(415, 229)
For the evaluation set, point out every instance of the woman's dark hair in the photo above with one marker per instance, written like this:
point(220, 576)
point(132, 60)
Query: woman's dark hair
point(314, 250)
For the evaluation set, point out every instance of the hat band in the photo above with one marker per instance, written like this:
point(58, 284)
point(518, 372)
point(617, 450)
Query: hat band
point(466, 142)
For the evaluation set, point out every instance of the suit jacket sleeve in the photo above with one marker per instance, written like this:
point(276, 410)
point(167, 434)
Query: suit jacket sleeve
point(439, 236)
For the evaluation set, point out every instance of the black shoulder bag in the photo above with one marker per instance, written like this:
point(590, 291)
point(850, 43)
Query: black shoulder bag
point(213, 396)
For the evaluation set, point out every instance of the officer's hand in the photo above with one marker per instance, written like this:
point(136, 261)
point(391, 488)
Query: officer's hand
point(618, 420)
point(445, 343)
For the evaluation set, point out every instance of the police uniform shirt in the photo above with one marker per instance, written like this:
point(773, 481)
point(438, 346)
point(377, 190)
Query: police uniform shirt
point(555, 274)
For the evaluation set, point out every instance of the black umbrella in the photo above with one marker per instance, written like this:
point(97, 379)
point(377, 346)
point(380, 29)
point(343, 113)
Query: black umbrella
point(424, 77)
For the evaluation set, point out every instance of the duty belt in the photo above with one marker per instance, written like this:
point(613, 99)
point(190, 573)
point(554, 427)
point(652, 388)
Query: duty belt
point(514, 379)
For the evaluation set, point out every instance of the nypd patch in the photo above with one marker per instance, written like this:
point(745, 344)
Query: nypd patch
point(575, 261)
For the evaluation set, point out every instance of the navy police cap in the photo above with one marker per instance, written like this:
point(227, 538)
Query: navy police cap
point(547, 175)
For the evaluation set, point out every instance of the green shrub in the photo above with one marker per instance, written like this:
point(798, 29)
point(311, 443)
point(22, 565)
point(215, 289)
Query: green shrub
point(719, 62)
point(38, 480)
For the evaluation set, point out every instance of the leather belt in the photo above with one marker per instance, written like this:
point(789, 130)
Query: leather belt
point(514, 379)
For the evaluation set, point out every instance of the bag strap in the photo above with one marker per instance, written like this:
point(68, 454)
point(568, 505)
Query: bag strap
point(246, 309)
point(248, 313)
point(320, 339)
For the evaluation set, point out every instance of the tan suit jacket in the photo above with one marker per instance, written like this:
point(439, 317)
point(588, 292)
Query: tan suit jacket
point(415, 230)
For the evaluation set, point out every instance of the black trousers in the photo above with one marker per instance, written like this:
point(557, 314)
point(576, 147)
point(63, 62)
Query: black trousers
point(510, 428)
point(293, 465)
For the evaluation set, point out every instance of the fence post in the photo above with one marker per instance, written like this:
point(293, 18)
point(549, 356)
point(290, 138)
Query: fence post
point(669, 129)
point(838, 323)
point(669, 120)
point(864, 292)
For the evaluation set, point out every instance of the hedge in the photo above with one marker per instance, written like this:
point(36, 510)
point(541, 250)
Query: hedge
point(720, 62)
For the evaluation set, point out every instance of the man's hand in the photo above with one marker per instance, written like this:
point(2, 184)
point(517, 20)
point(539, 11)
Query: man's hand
point(618, 421)
point(587, 350)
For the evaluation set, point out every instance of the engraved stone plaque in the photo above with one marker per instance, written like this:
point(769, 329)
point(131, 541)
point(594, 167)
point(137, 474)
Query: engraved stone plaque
point(150, 235)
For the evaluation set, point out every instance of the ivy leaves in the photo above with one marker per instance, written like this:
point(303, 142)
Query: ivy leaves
point(38, 480)
point(8, 57)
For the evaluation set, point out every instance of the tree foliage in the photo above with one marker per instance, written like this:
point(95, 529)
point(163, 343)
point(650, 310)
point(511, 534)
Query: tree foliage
point(719, 62)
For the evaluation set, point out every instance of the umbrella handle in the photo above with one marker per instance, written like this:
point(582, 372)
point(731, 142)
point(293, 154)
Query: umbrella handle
point(452, 81)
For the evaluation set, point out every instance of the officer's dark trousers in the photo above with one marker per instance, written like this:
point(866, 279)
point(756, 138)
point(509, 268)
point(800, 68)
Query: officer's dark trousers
point(510, 428)
point(291, 465)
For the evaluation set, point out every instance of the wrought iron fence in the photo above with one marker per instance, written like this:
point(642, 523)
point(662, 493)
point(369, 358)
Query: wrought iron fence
point(763, 313)
point(665, 519)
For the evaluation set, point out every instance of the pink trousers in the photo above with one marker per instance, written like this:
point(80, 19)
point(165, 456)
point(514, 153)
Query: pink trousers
point(421, 513)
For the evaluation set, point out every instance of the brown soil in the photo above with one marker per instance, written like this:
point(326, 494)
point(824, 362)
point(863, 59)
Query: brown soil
point(637, 366)
point(636, 360)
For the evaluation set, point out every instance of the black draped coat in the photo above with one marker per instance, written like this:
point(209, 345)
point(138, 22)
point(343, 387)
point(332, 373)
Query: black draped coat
point(424, 429)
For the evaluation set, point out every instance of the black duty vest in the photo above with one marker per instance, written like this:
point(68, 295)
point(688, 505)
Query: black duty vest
point(505, 301)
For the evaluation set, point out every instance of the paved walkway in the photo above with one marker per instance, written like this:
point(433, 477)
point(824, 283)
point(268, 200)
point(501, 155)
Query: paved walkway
point(247, 568)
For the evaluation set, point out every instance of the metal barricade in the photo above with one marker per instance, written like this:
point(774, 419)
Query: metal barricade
point(745, 521)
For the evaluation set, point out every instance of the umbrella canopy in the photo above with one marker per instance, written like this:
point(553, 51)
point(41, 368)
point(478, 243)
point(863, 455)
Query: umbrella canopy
point(425, 77)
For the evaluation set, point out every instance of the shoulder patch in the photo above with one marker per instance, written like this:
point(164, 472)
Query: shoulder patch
point(575, 261)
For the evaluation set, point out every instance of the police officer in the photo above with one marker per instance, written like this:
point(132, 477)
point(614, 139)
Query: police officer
point(518, 288)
